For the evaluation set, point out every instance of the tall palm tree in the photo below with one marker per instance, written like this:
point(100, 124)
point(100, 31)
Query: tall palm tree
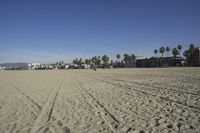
point(180, 48)
point(98, 61)
point(75, 61)
point(192, 46)
point(80, 62)
point(156, 52)
point(126, 58)
point(186, 54)
point(167, 49)
point(175, 52)
point(87, 61)
point(189, 54)
point(118, 57)
point(162, 51)
point(94, 60)
point(133, 57)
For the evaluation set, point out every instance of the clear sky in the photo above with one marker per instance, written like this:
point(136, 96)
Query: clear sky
point(47, 31)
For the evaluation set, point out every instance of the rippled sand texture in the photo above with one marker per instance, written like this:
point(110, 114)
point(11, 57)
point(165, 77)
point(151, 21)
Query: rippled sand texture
point(107, 101)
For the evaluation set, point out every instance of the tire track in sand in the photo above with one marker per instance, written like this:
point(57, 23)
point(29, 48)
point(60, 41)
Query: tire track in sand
point(154, 86)
point(159, 89)
point(109, 118)
point(193, 108)
point(148, 84)
point(33, 106)
point(44, 119)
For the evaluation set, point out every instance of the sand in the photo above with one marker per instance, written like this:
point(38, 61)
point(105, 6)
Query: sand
point(107, 100)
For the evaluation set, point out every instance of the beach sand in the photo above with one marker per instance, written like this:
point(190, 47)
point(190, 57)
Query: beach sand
point(137, 100)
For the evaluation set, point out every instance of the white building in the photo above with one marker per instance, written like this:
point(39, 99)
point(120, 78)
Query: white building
point(50, 66)
point(29, 66)
point(34, 66)
point(140, 57)
point(66, 66)
point(2, 68)
point(87, 66)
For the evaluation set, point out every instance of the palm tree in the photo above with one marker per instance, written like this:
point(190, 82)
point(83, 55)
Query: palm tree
point(94, 60)
point(75, 61)
point(180, 48)
point(186, 54)
point(189, 53)
point(126, 58)
point(133, 57)
point(156, 52)
point(192, 46)
point(162, 50)
point(98, 61)
point(105, 59)
point(175, 52)
point(118, 57)
point(87, 61)
point(167, 49)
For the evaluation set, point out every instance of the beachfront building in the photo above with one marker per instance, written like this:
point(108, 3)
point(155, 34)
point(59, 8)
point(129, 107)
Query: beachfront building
point(195, 59)
point(2, 68)
point(34, 66)
point(60, 65)
point(160, 62)
point(29, 66)
point(131, 63)
point(141, 57)
point(118, 64)
point(50, 66)
point(86, 66)
point(72, 66)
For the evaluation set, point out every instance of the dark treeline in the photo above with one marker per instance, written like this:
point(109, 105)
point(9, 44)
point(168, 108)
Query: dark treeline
point(104, 61)
point(124, 60)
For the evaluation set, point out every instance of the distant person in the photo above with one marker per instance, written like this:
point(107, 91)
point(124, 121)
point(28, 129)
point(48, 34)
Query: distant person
point(94, 68)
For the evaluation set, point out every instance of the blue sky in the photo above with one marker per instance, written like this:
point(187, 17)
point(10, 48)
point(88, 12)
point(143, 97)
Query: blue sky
point(47, 31)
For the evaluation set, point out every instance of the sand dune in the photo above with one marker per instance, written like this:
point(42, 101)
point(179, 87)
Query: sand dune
point(107, 101)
